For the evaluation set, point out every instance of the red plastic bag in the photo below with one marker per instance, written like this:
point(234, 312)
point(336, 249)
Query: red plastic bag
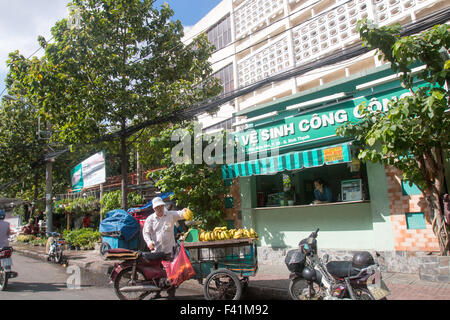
point(180, 269)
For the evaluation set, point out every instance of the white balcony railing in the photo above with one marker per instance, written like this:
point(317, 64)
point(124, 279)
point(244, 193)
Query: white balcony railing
point(326, 32)
point(253, 14)
point(266, 61)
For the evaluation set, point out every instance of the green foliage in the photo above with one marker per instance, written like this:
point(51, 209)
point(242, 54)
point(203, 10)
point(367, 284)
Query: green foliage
point(199, 187)
point(26, 238)
point(76, 206)
point(84, 239)
point(112, 200)
point(415, 127)
point(413, 133)
point(39, 241)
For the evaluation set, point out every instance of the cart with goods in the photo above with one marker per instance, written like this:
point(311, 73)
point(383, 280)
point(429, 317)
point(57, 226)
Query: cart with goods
point(119, 230)
point(223, 260)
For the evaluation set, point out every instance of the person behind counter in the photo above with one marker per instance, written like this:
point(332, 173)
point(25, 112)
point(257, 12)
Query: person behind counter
point(322, 193)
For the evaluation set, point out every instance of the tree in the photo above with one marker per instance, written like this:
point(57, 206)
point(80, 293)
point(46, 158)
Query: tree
point(414, 132)
point(20, 150)
point(198, 186)
point(124, 65)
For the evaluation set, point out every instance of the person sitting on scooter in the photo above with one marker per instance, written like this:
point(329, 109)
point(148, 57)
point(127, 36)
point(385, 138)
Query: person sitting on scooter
point(4, 230)
point(159, 227)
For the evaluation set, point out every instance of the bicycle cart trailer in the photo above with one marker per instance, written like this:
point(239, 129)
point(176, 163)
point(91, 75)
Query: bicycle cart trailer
point(226, 266)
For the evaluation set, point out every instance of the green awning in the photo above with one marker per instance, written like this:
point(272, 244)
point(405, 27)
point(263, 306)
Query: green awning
point(290, 161)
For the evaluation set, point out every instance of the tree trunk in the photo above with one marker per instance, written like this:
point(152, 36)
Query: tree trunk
point(433, 170)
point(124, 167)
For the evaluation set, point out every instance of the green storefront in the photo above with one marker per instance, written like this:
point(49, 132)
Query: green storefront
point(298, 143)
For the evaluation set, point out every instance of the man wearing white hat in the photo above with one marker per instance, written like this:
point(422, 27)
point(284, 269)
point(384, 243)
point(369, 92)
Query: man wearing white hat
point(158, 227)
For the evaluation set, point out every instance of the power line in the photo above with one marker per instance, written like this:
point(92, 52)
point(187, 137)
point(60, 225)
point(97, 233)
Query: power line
point(439, 17)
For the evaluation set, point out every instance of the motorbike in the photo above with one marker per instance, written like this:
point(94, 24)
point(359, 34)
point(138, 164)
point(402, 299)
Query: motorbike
point(5, 267)
point(314, 278)
point(139, 274)
point(55, 251)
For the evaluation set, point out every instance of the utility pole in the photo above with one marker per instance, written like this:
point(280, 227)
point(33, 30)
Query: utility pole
point(48, 182)
point(48, 195)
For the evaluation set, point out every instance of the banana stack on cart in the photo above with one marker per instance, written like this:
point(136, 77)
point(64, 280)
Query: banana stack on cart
point(223, 260)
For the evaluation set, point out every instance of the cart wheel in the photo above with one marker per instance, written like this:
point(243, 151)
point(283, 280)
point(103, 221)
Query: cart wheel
point(222, 284)
point(104, 247)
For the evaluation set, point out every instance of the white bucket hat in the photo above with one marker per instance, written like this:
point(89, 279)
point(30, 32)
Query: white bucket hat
point(157, 201)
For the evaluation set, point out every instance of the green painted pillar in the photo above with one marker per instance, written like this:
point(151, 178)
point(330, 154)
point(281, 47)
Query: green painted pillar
point(383, 236)
point(248, 200)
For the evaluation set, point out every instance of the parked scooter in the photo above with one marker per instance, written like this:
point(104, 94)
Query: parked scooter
point(139, 274)
point(55, 250)
point(313, 278)
point(5, 267)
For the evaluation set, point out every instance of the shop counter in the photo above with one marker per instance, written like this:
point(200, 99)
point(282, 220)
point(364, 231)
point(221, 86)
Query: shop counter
point(342, 224)
point(313, 205)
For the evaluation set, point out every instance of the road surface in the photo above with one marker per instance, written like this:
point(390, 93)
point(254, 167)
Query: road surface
point(40, 280)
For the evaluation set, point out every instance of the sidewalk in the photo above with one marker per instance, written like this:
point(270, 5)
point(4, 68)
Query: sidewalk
point(271, 281)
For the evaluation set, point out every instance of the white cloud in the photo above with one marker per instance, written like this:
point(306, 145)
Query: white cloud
point(21, 22)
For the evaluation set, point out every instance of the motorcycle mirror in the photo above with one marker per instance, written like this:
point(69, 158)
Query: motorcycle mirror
point(325, 258)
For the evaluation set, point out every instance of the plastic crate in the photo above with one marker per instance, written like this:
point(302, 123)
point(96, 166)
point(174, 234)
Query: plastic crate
point(118, 242)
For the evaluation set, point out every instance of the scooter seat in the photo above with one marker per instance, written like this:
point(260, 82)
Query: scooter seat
point(342, 269)
point(150, 256)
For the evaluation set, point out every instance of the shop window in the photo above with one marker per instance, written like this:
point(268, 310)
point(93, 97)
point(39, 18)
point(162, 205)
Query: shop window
point(415, 220)
point(410, 190)
point(339, 178)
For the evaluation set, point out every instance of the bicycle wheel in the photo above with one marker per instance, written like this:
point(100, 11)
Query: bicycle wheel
point(222, 284)
point(3, 279)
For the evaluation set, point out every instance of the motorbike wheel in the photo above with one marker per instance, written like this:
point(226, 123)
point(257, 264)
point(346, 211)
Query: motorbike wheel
point(104, 247)
point(58, 254)
point(362, 294)
point(3, 279)
point(123, 279)
point(299, 289)
point(222, 284)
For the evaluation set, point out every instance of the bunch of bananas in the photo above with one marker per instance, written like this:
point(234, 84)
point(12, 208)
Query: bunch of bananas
point(221, 233)
point(188, 215)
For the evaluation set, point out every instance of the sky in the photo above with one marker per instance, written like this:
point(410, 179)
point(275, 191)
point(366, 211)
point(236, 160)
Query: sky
point(22, 21)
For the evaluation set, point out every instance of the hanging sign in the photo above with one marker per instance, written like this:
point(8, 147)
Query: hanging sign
point(89, 173)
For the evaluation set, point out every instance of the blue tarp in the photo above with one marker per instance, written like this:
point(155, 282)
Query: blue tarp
point(163, 196)
point(120, 221)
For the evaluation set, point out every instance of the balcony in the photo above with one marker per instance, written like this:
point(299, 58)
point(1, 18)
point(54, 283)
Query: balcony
point(325, 32)
point(252, 15)
point(271, 59)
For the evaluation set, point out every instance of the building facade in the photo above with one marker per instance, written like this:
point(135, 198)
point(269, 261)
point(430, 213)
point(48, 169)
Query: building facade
point(302, 57)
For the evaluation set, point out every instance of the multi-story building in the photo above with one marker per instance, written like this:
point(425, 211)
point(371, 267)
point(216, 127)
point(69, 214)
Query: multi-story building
point(288, 65)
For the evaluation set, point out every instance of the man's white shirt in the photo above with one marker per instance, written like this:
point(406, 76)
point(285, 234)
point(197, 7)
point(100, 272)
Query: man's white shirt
point(160, 231)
